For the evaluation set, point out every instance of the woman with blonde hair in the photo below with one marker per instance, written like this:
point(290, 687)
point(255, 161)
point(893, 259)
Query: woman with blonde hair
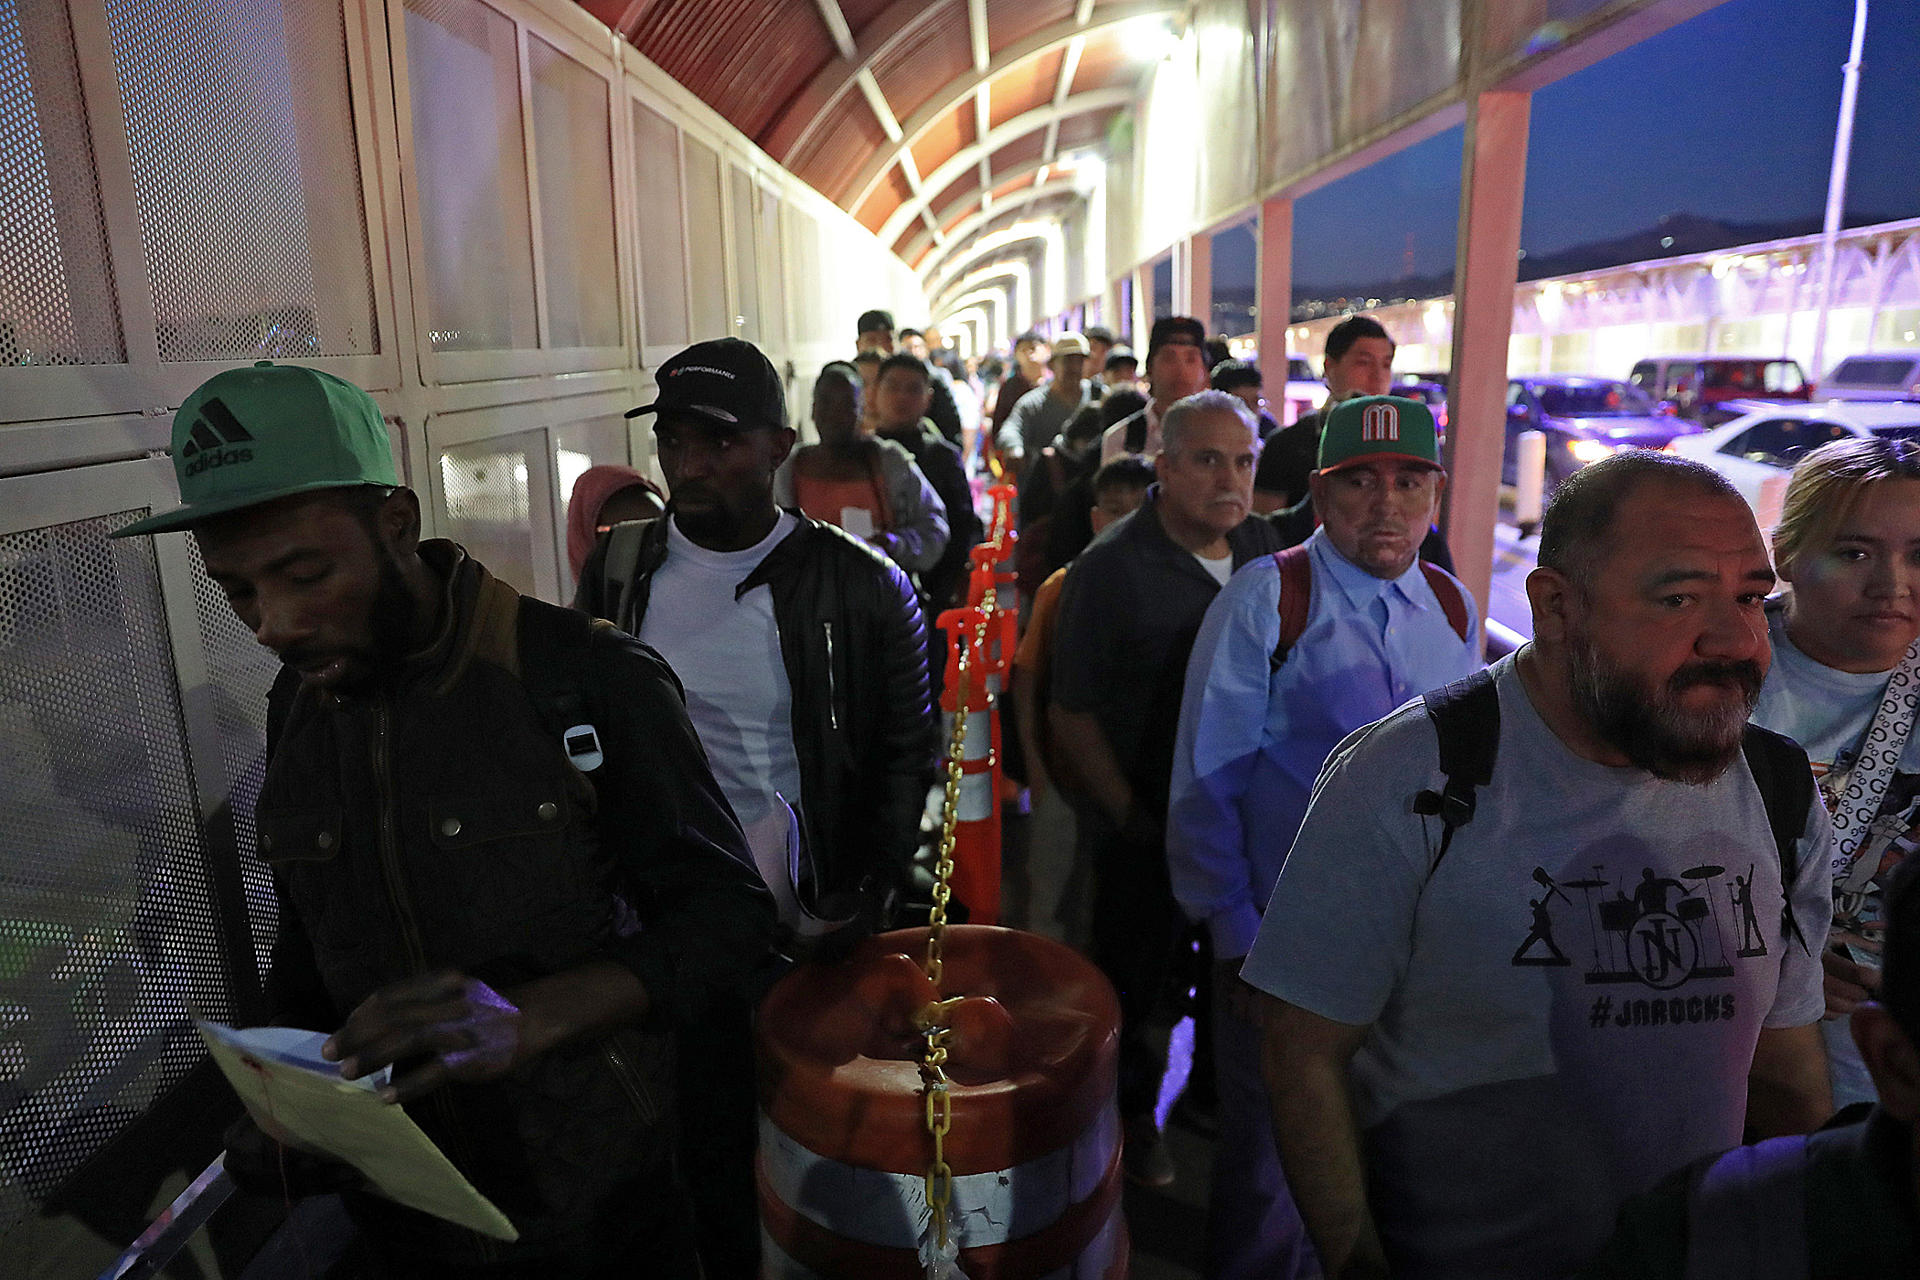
point(1845, 684)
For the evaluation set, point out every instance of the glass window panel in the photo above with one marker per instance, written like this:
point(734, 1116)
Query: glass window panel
point(573, 154)
point(470, 168)
point(1162, 289)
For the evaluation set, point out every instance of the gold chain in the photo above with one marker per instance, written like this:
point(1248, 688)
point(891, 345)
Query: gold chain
point(932, 1020)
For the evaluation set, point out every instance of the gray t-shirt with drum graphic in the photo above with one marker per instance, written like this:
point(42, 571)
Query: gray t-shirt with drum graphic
point(1566, 1010)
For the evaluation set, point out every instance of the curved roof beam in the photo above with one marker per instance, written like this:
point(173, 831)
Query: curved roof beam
point(896, 26)
point(1038, 118)
point(960, 239)
point(1005, 246)
point(943, 215)
point(1015, 269)
point(958, 90)
point(993, 237)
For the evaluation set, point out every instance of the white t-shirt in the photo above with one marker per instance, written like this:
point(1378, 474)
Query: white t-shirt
point(1828, 713)
point(1561, 1013)
point(1221, 569)
point(727, 654)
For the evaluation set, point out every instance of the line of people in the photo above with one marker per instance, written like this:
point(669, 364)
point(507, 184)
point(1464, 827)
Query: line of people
point(1485, 963)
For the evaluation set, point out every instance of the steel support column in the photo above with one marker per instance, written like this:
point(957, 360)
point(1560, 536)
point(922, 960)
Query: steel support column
point(1493, 184)
point(1193, 290)
point(1273, 296)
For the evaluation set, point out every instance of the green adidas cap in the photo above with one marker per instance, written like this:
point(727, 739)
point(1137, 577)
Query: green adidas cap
point(1378, 428)
point(249, 436)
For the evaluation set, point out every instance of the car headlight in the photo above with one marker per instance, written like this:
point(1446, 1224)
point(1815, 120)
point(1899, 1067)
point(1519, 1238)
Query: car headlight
point(1585, 451)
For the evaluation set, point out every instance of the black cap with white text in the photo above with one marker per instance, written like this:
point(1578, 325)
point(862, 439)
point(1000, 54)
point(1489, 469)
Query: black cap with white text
point(726, 382)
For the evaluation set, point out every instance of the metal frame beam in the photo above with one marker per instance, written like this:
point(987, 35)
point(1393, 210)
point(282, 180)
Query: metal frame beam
point(957, 91)
point(1018, 127)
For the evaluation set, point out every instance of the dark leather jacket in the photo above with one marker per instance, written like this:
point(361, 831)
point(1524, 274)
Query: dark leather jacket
point(438, 822)
point(853, 642)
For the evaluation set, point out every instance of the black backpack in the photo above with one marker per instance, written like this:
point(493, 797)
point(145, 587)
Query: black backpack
point(1466, 718)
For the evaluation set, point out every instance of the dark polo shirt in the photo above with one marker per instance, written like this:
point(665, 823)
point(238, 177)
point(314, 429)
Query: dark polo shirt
point(1129, 611)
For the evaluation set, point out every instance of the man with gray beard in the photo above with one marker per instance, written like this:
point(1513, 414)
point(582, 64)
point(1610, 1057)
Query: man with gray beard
point(1484, 1032)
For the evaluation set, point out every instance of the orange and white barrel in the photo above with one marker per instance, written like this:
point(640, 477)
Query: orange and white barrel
point(1035, 1138)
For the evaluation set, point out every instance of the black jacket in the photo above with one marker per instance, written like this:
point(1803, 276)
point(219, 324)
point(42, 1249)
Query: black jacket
point(853, 641)
point(1130, 610)
point(939, 461)
point(438, 822)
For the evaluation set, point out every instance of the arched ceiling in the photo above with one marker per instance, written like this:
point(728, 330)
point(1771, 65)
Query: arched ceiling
point(910, 114)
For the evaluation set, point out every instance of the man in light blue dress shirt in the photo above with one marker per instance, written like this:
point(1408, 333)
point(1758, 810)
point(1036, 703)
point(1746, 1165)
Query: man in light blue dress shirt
point(1261, 713)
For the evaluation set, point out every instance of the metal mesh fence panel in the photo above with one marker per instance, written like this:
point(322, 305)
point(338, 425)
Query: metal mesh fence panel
point(240, 129)
point(241, 671)
point(108, 929)
point(470, 166)
point(573, 154)
point(57, 302)
point(486, 490)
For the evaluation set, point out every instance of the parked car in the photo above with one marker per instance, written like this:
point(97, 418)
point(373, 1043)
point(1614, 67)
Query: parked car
point(1758, 450)
point(1877, 377)
point(1584, 419)
point(1304, 392)
point(1431, 393)
point(1698, 387)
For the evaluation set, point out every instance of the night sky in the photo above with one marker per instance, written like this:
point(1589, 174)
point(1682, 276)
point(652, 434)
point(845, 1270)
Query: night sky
point(1730, 115)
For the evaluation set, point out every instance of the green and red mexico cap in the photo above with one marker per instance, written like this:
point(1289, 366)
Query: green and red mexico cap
point(1379, 429)
point(249, 436)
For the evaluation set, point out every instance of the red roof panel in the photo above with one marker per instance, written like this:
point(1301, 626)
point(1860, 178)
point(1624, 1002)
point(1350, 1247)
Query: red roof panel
point(743, 58)
point(838, 150)
point(1028, 147)
point(944, 139)
point(889, 194)
point(1025, 87)
point(936, 53)
point(1012, 21)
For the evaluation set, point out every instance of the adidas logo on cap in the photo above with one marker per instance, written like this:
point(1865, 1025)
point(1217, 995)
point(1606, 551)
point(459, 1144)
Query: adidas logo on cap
point(215, 440)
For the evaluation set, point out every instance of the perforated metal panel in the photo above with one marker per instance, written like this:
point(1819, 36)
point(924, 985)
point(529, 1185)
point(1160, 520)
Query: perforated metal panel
point(57, 303)
point(241, 671)
point(746, 258)
point(485, 488)
point(246, 177)
point(706, 243)
point(574, 157)
point(663, 236)
point(463, 86)
point(108, 932)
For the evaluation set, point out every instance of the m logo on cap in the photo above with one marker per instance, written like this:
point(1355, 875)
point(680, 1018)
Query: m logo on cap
point(1380, 422)
point(209, 444)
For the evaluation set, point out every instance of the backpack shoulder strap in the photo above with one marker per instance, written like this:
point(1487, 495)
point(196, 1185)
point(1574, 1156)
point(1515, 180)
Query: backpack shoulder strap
point(622, 562)
point(1296, 600)
point(1137, 432)
point(1747, 1213)
point(553, 661)
point(1451, 601)
point(1466, 719)
point(1785, 779)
